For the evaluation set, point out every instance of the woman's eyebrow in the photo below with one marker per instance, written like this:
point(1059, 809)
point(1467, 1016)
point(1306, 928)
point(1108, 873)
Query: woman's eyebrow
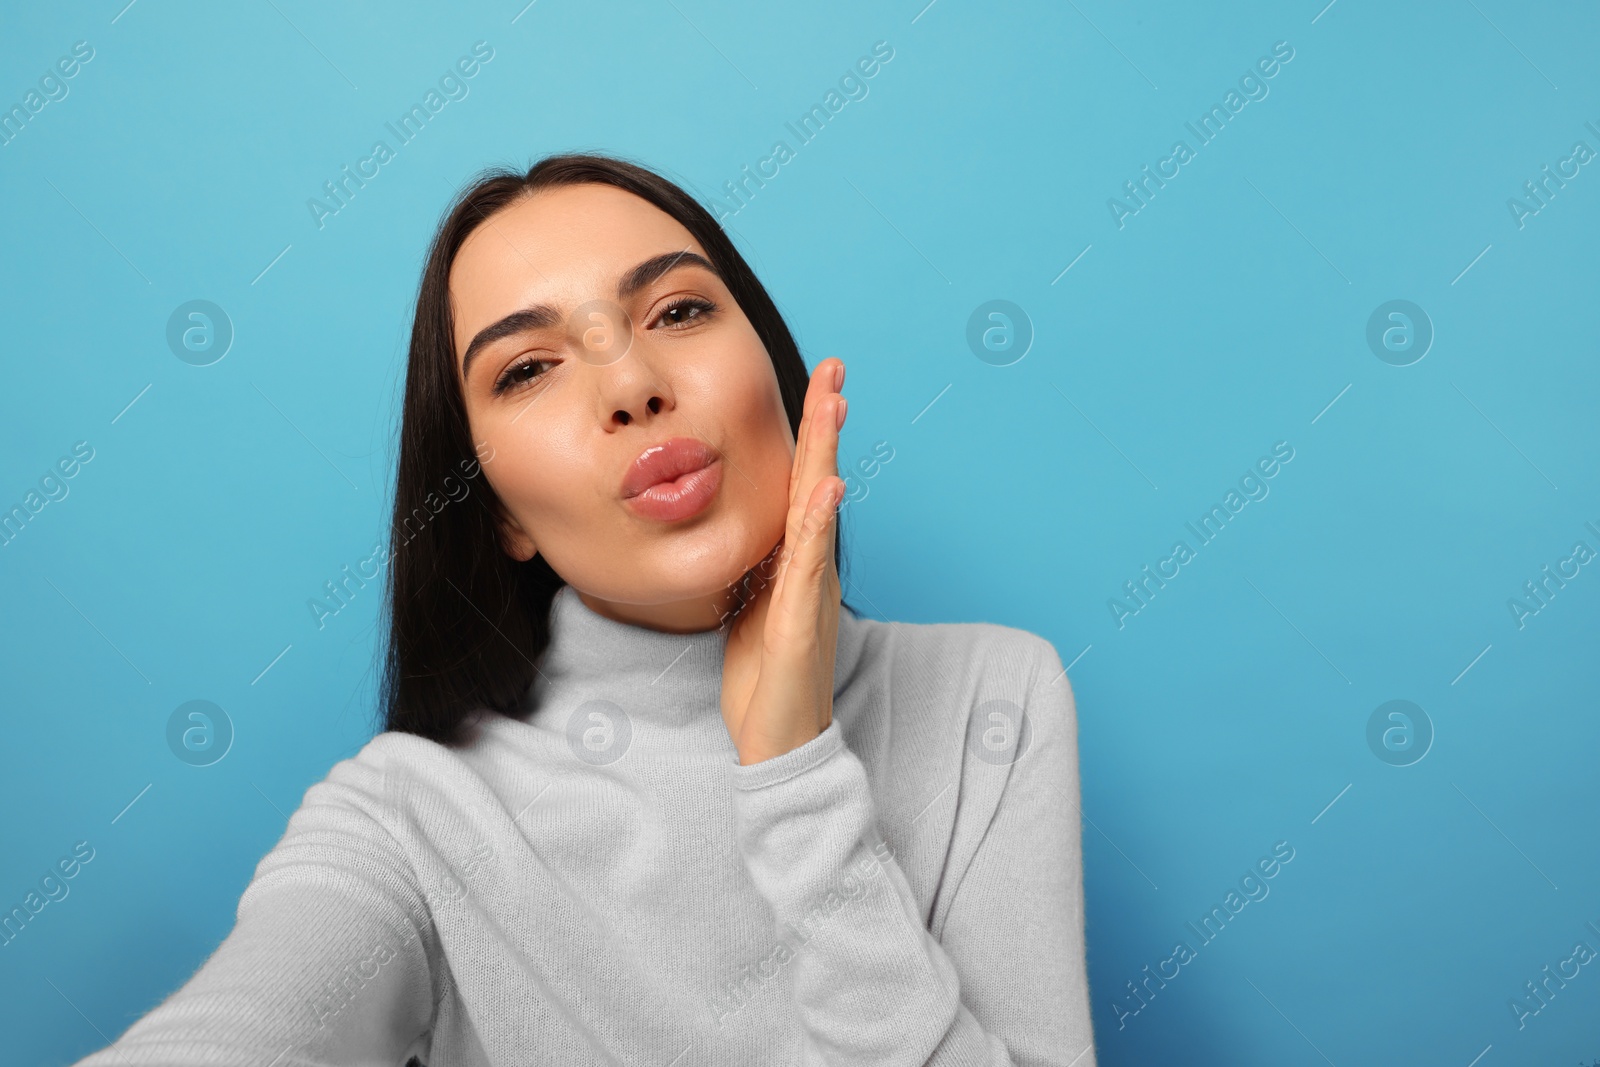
point(655, 267)
point(543, 316)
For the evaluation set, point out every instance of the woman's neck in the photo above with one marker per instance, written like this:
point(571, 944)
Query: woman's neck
point(694, 615)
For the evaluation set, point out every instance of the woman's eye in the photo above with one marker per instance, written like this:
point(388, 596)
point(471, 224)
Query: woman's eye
point(685, 312)
point(678, 315)
point(519, 373)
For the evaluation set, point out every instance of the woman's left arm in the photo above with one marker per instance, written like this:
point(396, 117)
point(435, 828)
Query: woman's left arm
point(872, 984)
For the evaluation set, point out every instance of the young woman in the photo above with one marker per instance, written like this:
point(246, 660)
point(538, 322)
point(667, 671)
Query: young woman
point(646, 795)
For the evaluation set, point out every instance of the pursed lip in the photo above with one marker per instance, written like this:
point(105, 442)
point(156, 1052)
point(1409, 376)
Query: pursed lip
point(666, 461)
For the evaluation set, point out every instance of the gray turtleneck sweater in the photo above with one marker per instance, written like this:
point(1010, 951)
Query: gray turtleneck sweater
point(598, 881)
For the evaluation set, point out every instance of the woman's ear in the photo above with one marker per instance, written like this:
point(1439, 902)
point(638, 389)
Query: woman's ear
point(516, 541)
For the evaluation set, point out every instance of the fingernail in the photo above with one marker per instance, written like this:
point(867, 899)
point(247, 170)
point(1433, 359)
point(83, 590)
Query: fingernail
point(843, 403)
point(838, 377)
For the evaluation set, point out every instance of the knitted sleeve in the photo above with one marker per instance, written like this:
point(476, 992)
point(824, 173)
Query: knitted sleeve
point(872, 984)
point(328, 960)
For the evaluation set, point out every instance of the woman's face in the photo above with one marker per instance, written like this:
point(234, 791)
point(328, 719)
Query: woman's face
point(599, 366)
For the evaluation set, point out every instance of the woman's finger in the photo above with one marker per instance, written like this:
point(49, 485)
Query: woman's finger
point(796, 594)
point(822, 442)
point(821, 507)
point(817, 453)
point(820, 386)
point(808, 406)
point(821, 463)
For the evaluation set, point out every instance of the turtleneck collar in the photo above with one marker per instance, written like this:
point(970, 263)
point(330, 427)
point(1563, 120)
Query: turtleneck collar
point(592, 649)
point(665, 680)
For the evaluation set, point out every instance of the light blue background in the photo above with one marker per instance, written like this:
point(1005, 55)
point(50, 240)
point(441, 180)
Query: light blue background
point(1227, 315)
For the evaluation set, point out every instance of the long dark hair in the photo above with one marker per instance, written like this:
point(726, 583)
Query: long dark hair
point(466, 621)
